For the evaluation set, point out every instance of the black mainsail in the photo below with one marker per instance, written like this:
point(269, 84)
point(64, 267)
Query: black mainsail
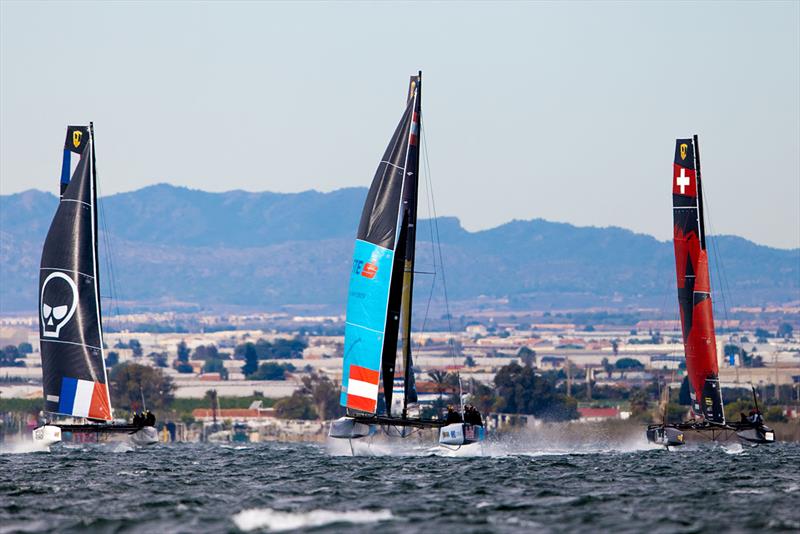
point(382, 277)
point(70, 327)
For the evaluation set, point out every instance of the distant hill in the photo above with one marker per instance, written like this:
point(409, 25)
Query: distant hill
point(175, 245)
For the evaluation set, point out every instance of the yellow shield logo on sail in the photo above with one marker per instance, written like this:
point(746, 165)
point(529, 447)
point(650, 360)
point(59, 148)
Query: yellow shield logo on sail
point(76, 138)
point(684, 146)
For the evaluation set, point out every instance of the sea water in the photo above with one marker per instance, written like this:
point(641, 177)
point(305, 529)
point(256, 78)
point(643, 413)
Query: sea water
point(302, 487)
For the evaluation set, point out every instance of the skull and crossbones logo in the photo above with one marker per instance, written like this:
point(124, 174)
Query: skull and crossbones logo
point(59, 300)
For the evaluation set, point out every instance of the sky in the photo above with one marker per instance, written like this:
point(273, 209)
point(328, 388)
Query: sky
point(562, 111)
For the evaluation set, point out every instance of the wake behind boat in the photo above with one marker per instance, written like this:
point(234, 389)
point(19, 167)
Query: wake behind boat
point(74, 377)
point(380, 300)
point(697, 321)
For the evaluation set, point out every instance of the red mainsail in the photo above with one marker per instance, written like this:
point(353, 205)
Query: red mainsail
point(694, 289)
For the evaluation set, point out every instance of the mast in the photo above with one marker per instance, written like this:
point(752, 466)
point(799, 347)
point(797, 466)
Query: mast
point(410, 208)
point(96, 258)
point(700, 213)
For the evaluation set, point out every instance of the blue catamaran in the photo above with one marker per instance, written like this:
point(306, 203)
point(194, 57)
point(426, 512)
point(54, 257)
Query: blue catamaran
point(377, 346)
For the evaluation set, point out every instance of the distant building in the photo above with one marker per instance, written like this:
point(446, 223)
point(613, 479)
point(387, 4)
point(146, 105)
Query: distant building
point(551, 362)
point(593, 415)
point(236, 415)
point(477, 330)
point(509, 420)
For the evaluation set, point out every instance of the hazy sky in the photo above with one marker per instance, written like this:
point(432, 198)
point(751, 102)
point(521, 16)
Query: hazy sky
point(562, 111)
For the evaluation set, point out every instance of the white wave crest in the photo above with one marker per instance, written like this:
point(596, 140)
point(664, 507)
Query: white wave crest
point(23, 447)
point(276, 520)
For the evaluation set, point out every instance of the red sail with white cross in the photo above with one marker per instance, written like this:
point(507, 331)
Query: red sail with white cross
point(694, 290)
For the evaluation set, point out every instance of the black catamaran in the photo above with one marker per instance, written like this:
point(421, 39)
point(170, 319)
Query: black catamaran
point(74, 377)
point(697, 321)
point(381, 295)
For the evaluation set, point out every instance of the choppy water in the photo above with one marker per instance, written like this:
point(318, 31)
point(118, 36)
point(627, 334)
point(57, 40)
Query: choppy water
point(212, 488)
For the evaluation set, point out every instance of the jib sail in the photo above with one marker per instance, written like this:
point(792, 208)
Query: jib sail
point(694, 290)
point(70, 329)
point(381, 279)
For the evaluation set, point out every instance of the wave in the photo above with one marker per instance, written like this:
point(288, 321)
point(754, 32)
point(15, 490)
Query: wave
point(276, 520)
point(23, 447)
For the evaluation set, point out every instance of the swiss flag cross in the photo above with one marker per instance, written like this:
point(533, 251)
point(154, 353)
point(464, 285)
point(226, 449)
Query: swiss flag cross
point(684, 181)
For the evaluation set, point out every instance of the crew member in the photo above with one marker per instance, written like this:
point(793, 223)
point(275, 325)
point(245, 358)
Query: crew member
point(755, 417)
point(452, 416)
point(150, 419)
point(472, 415)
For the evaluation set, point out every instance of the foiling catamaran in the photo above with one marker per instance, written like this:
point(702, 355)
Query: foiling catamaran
point(697, 321)
point(380, 300)
point(74, 375)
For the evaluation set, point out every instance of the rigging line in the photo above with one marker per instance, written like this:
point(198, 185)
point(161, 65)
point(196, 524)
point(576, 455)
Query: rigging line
point(112, 286)
point(722, 279)
point(430, 228)
point(723, 287)
point(444, 279)
point(109, 259)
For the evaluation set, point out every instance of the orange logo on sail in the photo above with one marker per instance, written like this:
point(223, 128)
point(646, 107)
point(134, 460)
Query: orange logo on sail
point(684, 147)
point(76, 138)
point(370, 270)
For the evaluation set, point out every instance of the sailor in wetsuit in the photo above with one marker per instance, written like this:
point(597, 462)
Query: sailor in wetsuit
point(149, 419)
point(755, 417)
point(472, 416)
point(452, 416)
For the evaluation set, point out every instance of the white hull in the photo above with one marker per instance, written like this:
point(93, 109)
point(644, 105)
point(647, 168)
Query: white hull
point(148, 435)
point(46, 435)
point(458, 434)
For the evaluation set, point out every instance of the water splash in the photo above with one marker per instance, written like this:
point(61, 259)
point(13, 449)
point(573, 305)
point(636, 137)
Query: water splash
point(22, 447)
point(542, 440)
point(277, 521)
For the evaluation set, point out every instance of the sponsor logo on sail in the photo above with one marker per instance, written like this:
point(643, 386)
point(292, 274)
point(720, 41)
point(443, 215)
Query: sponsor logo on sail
point(684, 147)
point(370, 270)
point(59, 300)
point(76, 138)
point(366, 269)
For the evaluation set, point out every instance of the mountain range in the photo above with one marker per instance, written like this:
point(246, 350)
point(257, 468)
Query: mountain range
point(172, 246)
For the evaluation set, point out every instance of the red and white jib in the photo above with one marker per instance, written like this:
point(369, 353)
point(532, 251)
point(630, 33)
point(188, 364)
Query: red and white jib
point(413, 139)
point(362, 388)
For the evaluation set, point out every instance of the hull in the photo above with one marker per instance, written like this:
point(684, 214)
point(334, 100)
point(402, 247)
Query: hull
point(47, 435)
point(461, 434)
point(349, 428)
point(760, 435)
point(666, 436)
point(147, 435)
point(681, 434)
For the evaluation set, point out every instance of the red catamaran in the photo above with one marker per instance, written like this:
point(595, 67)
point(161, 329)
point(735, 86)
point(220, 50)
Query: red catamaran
point(697, 320)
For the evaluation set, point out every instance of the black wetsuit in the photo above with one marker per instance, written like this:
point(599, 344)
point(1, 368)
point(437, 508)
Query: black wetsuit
point(453, 417)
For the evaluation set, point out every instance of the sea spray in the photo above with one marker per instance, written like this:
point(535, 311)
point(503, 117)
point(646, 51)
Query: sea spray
point(278, 521)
